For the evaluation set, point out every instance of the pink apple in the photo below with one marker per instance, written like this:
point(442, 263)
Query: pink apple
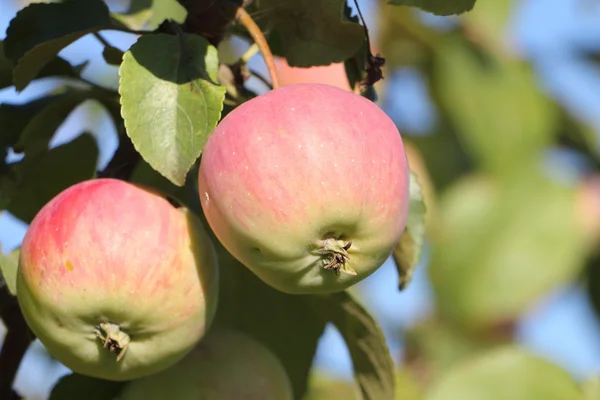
point(307, 186)
point(225, 365)
point(115, 281)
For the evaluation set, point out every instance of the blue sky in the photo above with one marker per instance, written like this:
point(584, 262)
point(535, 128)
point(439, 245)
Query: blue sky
point(562, 329)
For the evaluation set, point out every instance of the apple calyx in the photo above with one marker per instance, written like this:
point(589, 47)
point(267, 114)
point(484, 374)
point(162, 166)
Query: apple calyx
point(335, 254)
point(113, 338)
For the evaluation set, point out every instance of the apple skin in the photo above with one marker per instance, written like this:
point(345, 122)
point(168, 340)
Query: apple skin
point(107, 251)
point(300, 166)
point(225, 365)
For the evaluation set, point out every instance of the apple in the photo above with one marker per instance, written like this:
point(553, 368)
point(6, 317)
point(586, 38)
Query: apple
point(115, 281)
point(225, 365)
point(307, 186)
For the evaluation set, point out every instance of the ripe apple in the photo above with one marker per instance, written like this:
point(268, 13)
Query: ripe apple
point(115, 281)
point(307, 186)
point(225, 365)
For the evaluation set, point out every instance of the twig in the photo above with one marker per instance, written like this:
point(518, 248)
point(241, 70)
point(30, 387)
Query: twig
point(101, 39)
point(251, 52)
point(245, 19)
point(374, 63)
point(364, 26)
point(16, 342)
point(132, 31)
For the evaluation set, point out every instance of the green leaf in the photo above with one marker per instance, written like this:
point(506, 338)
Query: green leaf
point(77, 386)
point(312, 32)
point(506, 373)
point(438, 7)
point(286, 324)
point(9, 263)
point(47, 175)
point(41, 30)
point(501, 246)
point(408, 252)
point(171, 100)
point(374, 368)
point(495, 105)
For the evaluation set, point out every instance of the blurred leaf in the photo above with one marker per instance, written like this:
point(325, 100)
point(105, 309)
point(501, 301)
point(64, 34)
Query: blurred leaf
point(167, 9)
point(408, 252)
point(9, 264)
point(41, 30)
point(170, 100)
point(438, 7)
point(55, 67)
point(14, 119)
point(444, 156)
point(46, 176)
point(374, 369)
point(41, 127)
point(134, 21)
point(593, 282)
point(6, 67)
point(501, 246)
point(137, 15)
point(286, 324)
point(7, 188)
point(312, 32)
point(591, 388)
point(487, 23)
point(151, 12)
point(506, 373)
point(325, 388)
point(402, 38)
point(496, 106)
point(77, 386)
point(418, 166)
point(432, 346)
point(112, 55)
point(406, 388)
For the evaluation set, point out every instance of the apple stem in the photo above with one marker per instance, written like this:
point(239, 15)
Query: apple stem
point(335, 254)
point(113, 338)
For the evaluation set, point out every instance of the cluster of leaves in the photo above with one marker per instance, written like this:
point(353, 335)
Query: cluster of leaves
point(172, 92)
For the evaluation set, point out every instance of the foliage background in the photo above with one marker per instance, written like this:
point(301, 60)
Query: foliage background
point(464, 125)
